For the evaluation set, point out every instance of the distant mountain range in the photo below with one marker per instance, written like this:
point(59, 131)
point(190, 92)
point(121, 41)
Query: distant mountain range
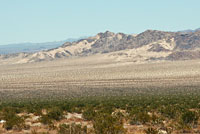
point(151, 45)
point(32, 47)
point(189, 30)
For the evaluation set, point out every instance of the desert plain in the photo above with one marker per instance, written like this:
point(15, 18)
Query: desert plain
point(93, 75)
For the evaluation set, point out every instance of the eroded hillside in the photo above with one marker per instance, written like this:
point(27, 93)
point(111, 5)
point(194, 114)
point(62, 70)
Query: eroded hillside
point(150, 45)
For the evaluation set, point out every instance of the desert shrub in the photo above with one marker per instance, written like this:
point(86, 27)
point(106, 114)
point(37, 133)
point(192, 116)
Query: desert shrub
point(35, 110)
point(34, 132)
point(76, 110)
point(66, 107)
point(72, 129)
point(119, 115)
point(151, 131)
point(156, 119)
point(88, 114)
point(190, 117)
point(105, 123)
point(169, 112)
point(140, 118)
point(1, 116)
point(55, 114)
point(45, 120)
point(12, 120)
point(63, 129)
point(38, 112)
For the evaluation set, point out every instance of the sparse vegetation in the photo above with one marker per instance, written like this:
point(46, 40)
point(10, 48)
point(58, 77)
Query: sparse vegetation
point(151, 131)
point(171, 109)
point(190, 117)
point(12, 120)
point(105, 123)
point(72, 129)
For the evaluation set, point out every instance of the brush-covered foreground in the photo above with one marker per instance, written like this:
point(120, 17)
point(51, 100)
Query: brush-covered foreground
point(172, 110)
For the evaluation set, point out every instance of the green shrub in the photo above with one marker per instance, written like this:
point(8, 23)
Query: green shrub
point(151, 131)
point(169, 111)
point(190, 117)
point(72, 129)
point(140, 118)
point(64, 129)
point(55, 114)
point(34, 132)
point(13, 120)
point(156, 119)
point(46, 120)
point(105, 123)
point(89, 114)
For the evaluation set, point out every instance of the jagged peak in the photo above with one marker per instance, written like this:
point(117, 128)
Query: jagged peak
point(121, 33)
point(153, 31)
point(106, 34)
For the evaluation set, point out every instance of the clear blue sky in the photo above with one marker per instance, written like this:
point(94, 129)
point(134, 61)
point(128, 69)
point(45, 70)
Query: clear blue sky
point(53, 20)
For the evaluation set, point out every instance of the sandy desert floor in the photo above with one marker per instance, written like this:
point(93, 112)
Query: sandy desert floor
point(93, 75)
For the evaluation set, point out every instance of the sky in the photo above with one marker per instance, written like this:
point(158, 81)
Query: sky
point(55, 20)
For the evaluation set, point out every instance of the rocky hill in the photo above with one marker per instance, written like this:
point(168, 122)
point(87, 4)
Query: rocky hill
point(150, 45)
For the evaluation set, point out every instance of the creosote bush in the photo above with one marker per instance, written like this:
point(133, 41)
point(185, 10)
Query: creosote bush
point(140, 118)
point(12, 120)
point(151, 131)
point(89, 114)
point(72, 129)
point(53, 114)
point(105, 123)
point(190, 117)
